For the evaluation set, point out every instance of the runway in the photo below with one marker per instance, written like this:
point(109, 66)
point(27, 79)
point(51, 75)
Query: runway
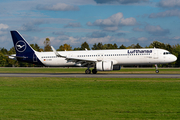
point(80, 75)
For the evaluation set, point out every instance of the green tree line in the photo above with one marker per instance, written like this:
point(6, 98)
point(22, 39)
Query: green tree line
point(6, 62)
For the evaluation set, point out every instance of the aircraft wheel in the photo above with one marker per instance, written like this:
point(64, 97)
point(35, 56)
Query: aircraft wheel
point(88, 71)
point(94, 71)
point(157, 71)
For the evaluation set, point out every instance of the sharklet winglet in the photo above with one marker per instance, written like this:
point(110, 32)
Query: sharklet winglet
point(56, 53)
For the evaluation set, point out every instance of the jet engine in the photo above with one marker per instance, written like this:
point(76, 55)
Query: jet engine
point(106, 66)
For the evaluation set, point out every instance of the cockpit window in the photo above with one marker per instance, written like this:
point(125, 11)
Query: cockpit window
point(166, 53)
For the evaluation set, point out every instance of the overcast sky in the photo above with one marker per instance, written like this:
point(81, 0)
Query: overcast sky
point(73, 22)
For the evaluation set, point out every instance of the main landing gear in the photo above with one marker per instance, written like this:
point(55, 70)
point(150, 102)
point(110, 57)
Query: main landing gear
point(157, 71)
point(94, 71)
point(88, 71)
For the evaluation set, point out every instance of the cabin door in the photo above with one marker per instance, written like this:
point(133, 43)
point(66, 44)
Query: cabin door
point(34, 58)
point(155, 54)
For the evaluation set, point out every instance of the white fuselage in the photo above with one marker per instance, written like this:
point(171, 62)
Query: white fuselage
point(118, 56)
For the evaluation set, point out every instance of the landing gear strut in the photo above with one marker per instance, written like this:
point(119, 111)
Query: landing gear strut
point(88, 71)
point(157, 71)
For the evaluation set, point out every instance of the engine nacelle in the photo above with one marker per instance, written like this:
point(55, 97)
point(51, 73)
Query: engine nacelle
point(104, 66)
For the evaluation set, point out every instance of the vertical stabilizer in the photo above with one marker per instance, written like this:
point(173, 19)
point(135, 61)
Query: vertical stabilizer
point(24, 52)
point(20, 44)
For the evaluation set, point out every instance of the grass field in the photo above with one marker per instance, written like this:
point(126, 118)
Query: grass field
point(82, 70)
point(89, 98)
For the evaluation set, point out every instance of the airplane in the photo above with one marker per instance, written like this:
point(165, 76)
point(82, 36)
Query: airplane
point(101, 60)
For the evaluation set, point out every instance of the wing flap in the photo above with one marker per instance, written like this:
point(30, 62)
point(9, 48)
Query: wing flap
point(80, 59)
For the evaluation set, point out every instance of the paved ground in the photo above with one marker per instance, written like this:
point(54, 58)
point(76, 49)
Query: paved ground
point(80, 75)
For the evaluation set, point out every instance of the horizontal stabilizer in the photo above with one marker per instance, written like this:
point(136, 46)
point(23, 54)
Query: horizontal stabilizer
point(14, 57)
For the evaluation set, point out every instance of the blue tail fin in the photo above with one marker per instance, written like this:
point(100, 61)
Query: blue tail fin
point(24, 52)
point(20, 44)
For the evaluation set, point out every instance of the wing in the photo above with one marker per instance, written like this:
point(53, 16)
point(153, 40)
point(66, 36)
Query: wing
point(77, 60)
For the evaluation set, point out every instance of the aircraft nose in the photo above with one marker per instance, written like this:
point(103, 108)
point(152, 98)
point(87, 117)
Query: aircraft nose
point(174, 58)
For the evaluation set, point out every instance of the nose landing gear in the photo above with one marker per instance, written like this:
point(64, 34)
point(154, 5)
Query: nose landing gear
point(157, 71)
